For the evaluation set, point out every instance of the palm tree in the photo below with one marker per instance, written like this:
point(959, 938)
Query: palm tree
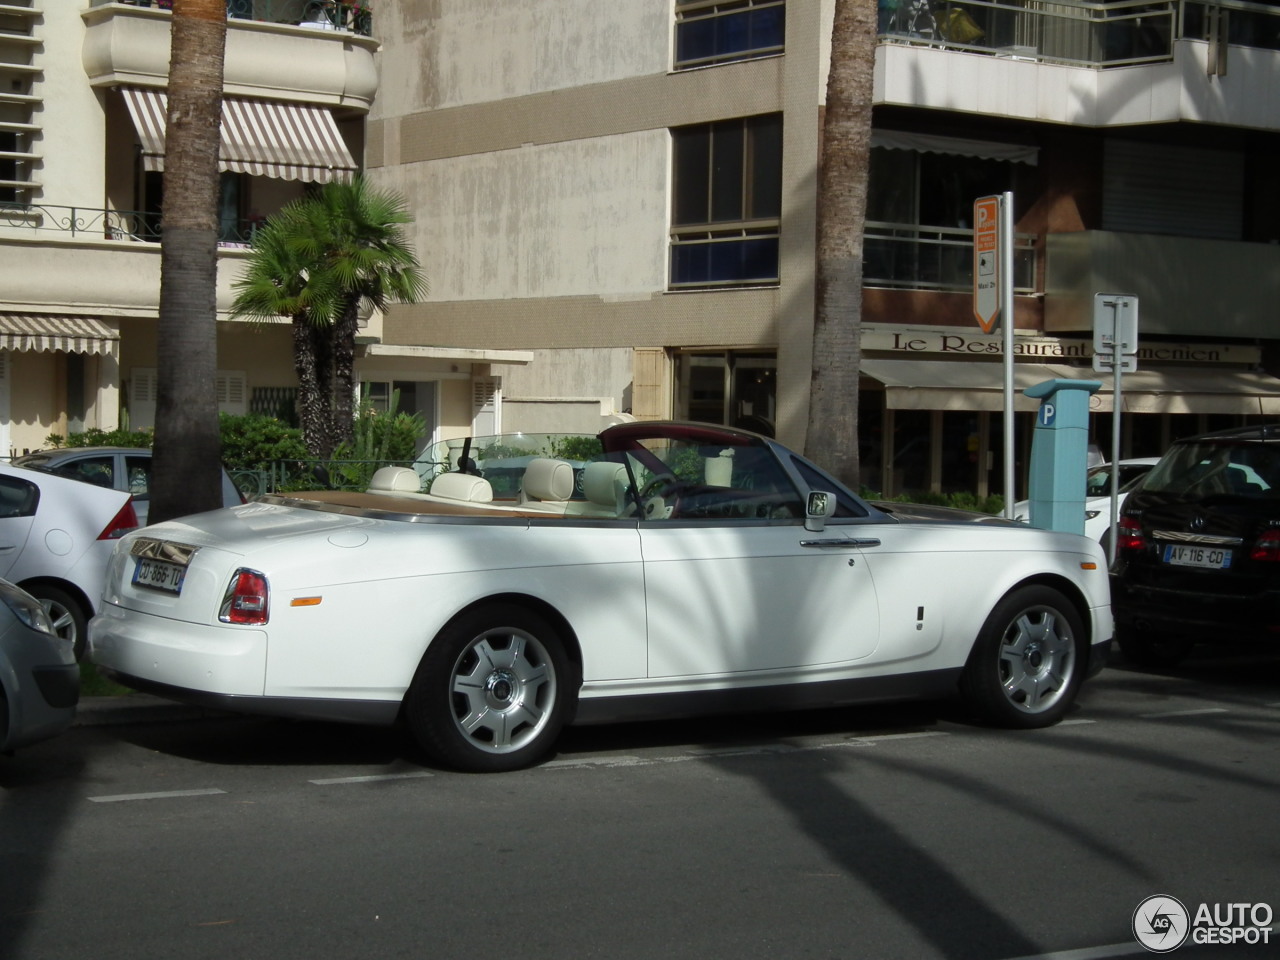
point(842, 210)
point(319, 262)
point(185, 466)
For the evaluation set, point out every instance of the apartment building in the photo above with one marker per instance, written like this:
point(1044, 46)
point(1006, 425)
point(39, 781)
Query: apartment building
point(615, 206)
point(82, 102)
point(628, 190)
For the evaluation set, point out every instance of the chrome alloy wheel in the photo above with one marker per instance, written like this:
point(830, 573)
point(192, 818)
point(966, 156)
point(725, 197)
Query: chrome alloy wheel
point(1036, 659)
point(503, 687)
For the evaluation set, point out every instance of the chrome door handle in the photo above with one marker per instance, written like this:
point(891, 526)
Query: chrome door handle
point(842, 542)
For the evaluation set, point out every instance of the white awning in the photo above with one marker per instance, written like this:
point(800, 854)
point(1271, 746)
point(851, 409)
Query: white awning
point(958, 146)
point(263, 138)
point(37, 333)
point(1197, 390)
point(944, 385)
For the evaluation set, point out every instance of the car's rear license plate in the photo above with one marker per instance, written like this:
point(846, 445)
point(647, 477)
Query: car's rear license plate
point(159, 574)
point(1184, 555)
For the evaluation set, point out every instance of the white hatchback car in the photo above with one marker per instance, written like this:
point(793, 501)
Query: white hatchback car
point(676, 569)
point(1097, 485)
point(56, 536)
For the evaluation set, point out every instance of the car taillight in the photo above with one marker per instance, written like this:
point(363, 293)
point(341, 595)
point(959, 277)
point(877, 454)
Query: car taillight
point(1267, 547)
point(246, 599)
point(121, 523)
point(1129, 534)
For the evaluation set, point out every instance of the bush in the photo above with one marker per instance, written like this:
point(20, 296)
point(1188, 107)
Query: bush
point(255, 441)
point(963, 500)
point(93, 437)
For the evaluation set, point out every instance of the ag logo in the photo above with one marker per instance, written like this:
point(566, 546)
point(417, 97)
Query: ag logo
point(1161, 923)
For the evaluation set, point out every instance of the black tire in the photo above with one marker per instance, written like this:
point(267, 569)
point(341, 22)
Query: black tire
point(1147, 648)
point(492, 690)
point(70, 619)
point(1028, 661)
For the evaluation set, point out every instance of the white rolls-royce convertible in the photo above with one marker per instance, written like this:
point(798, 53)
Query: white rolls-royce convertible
point(657, 570)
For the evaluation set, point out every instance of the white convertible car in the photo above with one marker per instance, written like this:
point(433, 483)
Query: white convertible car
point(658, 570)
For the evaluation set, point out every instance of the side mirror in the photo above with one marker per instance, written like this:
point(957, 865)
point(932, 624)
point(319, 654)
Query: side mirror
point(819, 507)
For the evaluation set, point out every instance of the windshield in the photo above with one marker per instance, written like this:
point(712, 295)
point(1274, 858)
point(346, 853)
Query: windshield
point(1207, 468)
point(502, 459)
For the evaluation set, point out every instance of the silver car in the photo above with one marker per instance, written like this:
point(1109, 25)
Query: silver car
point(127, 469)
point(39, 679)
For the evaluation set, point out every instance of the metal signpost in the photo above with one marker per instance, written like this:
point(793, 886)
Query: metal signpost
point(993, 303)
point(1115, 351)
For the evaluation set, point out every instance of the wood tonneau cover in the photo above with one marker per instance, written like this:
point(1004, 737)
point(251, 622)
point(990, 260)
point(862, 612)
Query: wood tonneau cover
point(383, 503)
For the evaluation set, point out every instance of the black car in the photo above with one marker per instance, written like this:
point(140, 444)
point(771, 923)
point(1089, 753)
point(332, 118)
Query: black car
point(1198, 547)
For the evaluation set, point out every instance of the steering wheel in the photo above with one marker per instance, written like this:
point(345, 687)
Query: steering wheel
point(657, 499)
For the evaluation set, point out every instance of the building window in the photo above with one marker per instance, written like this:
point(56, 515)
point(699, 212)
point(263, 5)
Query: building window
point(726, 202)
point(8, 166)
point(721, 31)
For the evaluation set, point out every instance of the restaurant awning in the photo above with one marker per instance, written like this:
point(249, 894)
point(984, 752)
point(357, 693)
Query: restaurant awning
point(944, 385)
point(38, 333)
point(263, 138)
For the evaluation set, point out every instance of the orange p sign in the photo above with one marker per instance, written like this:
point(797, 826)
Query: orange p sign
point(986, 262)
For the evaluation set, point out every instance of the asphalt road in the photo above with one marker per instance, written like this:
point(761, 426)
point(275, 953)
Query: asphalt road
point(883, 833)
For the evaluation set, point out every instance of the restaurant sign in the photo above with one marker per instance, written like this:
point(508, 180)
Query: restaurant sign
point(922, 342)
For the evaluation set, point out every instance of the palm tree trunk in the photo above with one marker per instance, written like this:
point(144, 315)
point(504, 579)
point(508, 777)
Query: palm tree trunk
point(842, 210)
point(344, 371)
point(186, 477)
point(310, 364)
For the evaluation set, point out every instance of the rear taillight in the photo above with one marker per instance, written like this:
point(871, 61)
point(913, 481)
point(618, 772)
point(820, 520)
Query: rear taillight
point(246, 599)
point(121, 523)
point(1129, 534)
point(1267, 547)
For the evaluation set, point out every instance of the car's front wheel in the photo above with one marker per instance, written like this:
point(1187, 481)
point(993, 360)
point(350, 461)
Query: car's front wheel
point(1028, 661)
point(70, 620)
point(492, 690)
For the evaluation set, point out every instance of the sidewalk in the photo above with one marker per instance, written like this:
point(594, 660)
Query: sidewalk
point(137, 708)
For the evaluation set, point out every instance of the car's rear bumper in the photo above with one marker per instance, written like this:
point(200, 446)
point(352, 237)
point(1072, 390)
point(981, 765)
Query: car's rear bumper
point(1207, 617)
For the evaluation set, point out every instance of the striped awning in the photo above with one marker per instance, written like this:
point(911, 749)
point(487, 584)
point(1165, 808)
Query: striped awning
point(263, 138)
point(40, 333)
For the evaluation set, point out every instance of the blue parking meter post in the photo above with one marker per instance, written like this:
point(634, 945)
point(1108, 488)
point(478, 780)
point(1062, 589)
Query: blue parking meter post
point(1060, 453)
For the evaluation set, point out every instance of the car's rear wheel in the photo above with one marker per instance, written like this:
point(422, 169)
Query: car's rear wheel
point(70, 619)
point(1147, 648)
point(1028, 661)
point(492, 690)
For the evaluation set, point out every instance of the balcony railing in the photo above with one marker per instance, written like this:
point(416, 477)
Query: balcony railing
point(100, 224)
point(352, 16)
point(907, 257)
point(1075, 32)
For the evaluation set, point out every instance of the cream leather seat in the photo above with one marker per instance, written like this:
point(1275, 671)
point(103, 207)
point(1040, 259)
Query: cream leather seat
point(394, 481)
point(547, 484)
point(462, 486)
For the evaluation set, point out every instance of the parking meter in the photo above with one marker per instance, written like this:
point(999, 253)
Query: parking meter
point(1060, 454)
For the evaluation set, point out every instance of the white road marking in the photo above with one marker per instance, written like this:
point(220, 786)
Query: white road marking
point(754, 750)
point(1074, 723)
point(373, 778)
point(1200, 712)
point(165, 795)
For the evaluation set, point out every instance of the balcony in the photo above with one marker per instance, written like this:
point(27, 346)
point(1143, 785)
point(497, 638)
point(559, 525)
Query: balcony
point(1083, 63)
point(53, 222)
point(73, 259)
point(1080, 33)
point(901, 256)
point(1185, 286)
point(310, 51)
